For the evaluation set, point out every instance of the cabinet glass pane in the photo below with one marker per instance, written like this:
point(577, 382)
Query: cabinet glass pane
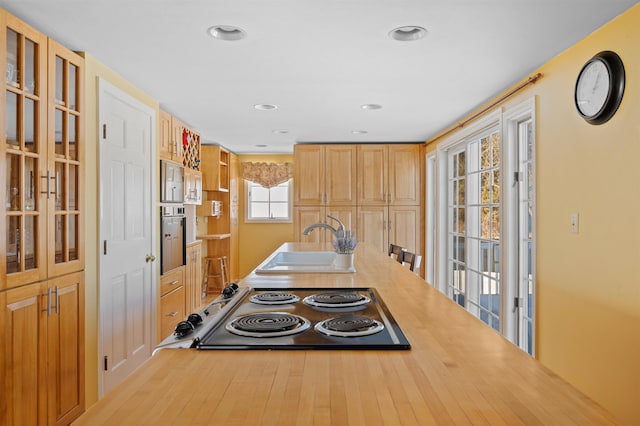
point(12, 201)
point(73, 101)
point(59, 134)
point(60, 231)
point(13, 244)
point(72, 137)
point(59, 80)
point(12, 74)
point(29, 242)
point(72, 193)
point(11, 119)
point(73, 237)
point(29, 66)
point(30, 171)
point(59, 186)
point(29, 128)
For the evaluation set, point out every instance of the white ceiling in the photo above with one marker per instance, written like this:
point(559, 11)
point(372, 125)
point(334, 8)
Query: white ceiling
point(319, 60)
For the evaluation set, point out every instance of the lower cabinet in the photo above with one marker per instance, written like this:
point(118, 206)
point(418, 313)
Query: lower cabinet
point(172, 301)
point(308, 215)
point(193, 277)
point(42, 363)
point(381, 225)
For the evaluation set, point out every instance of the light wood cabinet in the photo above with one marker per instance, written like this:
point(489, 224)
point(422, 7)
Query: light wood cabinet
point(308, 215)
point(165, 136)
point(42, 249)
point(234, 217)
point(172, 301)
point(192, 186)
point(324, 175)
point(193, 277)
point(177, 128)
point(389, 174)
point(43, 352)
point(215, 168)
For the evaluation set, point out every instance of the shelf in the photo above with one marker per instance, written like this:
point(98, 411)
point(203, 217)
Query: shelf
point(213, 236)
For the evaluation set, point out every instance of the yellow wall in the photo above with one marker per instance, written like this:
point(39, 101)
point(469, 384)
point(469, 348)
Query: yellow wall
point(258, 240)
point(588, 288)
point(93, 70)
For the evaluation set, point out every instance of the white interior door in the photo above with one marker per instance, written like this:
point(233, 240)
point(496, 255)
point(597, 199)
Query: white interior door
point(127, 133)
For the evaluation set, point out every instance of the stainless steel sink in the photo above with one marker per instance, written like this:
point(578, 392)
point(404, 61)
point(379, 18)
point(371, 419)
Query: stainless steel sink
point(289, 262)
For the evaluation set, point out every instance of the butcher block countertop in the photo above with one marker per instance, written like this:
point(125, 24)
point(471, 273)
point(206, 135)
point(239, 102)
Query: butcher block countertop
point(458, 371)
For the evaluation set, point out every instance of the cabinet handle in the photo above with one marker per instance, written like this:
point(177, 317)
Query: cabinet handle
point(48, 309)
point(48, 178)
point(174, 282)
point(57, 301)
point(172, 314)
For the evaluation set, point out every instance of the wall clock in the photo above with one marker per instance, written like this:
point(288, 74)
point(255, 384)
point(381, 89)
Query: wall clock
point(599, 87)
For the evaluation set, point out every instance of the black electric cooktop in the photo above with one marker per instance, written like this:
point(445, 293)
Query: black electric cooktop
point(307, 318)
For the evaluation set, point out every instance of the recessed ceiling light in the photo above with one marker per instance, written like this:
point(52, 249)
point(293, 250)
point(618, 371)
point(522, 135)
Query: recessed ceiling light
point(280, 131)
point(371, 106)
point(265, 107)
point(261, 146)
point(408, 33)
point(226, 32)
point(359, 132)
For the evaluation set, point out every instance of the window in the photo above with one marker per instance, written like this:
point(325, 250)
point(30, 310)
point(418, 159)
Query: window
point(268, 204)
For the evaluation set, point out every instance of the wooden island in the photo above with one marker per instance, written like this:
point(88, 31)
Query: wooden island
point(458, 371)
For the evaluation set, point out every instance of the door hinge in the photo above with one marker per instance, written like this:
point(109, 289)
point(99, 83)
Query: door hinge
point(516, 303)
point(104, 131)
point(517, 176)
point(106, 363)
point(104, 247)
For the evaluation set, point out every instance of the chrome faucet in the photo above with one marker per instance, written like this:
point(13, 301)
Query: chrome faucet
point(337, 233)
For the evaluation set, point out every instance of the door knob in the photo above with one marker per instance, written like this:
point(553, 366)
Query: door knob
point(150, 258)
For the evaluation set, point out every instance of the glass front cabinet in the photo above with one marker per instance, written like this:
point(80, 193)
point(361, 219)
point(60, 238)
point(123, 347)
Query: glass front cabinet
point(42, 152)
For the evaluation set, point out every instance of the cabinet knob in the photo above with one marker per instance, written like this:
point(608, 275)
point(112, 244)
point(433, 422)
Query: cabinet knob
point(149, 258)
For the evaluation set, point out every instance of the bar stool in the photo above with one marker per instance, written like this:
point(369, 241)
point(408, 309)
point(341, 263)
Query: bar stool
point(395, 252)
point(220, 273)
point(411, 259)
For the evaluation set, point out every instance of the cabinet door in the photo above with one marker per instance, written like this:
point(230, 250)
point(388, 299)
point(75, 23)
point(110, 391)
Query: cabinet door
point(171, 311)
point(340, 177)
point(177, 131)
point(404, 175)
point(23, 152)
point(65, 349)
point(305, 216)
point(404, 227)
point(193, 278)
point(373, 186)
point(164, 136)
point(372, 226)
point(23, 348)
point(309, 175)
point(66, 152)
point(347, 215)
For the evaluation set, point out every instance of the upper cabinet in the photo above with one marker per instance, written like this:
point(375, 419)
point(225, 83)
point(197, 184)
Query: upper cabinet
point(42, 150)
point(324, 175)
point(389, 174)
point(215, 168)
point(165, 137)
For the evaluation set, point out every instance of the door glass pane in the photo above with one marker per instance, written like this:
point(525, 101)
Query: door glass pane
point(30, 66)
point(73, 237)
point(72, 137)
point(12, 75)
point(29, 183)
point(13, 244)
point(59, 186)
point(11, 119)
point(59, 133)
point(73, 101)
point(72, 193)
point(29, 124)
point(12, 201)
point(59, 79)
point(29, 242)
point(60, 231)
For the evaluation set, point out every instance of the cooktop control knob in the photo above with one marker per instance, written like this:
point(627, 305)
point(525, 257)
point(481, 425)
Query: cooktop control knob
point(194, 319)
point(183, 328)
point(229, 290)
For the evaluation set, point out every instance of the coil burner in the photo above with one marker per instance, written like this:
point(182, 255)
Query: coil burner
point(349, 325)
point(337, 301)
point(274, 298)
point(268, 324)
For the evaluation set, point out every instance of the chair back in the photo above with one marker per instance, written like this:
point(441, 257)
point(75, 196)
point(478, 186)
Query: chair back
point(395, 252)
point(411, 259)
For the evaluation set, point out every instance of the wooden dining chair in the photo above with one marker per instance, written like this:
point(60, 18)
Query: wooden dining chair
point(395, 252)
point(411, 260)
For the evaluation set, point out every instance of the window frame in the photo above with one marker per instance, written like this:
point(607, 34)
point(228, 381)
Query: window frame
point(247, 204)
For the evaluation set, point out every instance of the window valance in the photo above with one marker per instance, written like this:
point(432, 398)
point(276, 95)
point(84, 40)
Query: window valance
point(267, 174)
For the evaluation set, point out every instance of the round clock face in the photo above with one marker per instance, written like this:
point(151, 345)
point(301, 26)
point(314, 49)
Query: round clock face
point(592, 88)
point(600, 87)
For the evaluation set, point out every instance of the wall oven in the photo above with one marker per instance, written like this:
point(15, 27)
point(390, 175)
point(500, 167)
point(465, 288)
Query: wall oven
point(172, 229)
